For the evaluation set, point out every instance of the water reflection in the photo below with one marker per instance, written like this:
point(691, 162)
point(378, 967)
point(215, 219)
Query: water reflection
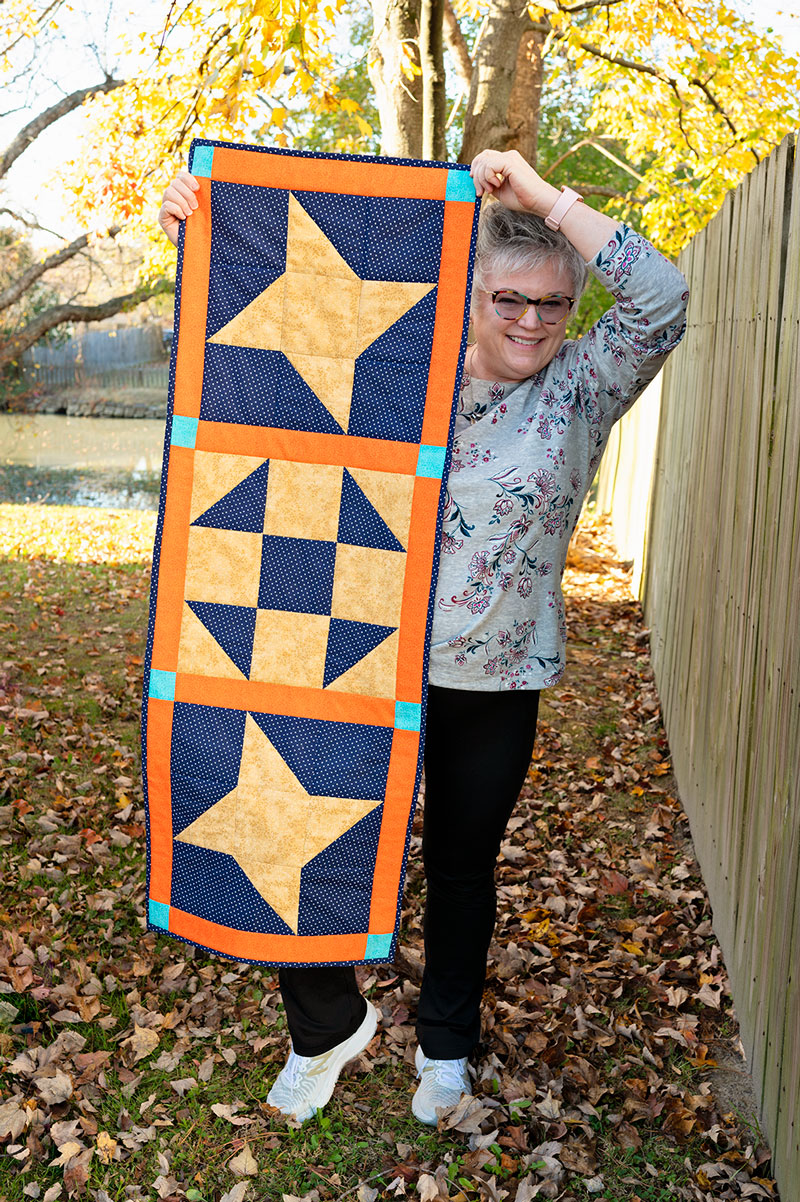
point(57, 460)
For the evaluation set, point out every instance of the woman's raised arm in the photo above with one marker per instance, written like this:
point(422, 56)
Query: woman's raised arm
point(511, 180)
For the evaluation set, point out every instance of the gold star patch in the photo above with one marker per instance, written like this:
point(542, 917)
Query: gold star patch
point(271, 825)
point(320, 314)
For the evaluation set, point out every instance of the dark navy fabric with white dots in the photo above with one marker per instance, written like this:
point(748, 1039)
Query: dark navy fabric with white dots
point(251, 387)
point(360, 524)
point(206, 752)
point(381, 238)
point(336, 888)
point(391, 378)
point(248, 247)
point(340, 759)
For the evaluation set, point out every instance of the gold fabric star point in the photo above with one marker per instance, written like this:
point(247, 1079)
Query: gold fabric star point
point(320, 313)
point(271, 825)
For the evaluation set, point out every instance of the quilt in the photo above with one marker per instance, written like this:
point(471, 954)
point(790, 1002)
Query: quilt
point(320, 326)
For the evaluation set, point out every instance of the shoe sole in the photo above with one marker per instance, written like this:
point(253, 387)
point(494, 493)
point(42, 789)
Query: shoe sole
point(350, 1049)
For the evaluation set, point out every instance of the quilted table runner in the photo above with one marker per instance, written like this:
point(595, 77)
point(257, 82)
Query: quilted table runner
point(321, 313)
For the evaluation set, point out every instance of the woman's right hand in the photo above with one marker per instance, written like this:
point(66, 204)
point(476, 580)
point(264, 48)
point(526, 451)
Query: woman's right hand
point(178, 203)
point(507, 176)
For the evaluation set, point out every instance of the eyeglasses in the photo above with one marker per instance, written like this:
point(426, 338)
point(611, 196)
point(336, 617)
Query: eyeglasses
point(513, 305)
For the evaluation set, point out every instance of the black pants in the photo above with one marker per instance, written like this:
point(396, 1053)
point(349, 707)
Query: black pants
point(477, 751)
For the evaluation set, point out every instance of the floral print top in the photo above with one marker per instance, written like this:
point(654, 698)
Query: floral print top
point(523, 459)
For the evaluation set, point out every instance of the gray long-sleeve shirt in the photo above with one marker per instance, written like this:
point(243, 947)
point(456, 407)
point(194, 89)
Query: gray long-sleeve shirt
point(523, 458)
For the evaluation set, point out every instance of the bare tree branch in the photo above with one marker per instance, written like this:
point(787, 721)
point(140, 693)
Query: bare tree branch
point(66, 105)
point(582, 8)
point(670, 81)
point(457, 45)
point(50, 11)
point(57, 315)
point(596, 146)
point(15, 290)
point(611, 193)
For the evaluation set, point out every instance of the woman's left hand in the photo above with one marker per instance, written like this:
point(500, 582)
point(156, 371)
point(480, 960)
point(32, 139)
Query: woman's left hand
point(505, 175)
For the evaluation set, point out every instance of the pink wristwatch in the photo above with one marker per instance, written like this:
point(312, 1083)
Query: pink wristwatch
point(566, 200)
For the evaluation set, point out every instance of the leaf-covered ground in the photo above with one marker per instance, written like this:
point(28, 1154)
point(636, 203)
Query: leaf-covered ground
point(133, 1067)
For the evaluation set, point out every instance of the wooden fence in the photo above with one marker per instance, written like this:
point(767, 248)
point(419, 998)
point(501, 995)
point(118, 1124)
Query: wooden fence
point(719, 570)
point(52, 376)
point(126, 357)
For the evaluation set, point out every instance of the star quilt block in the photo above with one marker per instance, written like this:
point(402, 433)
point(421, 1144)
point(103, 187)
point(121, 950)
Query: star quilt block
point(321, 314)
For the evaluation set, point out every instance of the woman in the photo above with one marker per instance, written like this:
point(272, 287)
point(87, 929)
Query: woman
point(534, 414)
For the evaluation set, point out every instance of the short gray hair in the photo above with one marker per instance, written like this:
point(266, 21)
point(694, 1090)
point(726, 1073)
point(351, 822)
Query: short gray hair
point(514, 240)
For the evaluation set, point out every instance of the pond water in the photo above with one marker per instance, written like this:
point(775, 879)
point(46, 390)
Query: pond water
point(57, 460)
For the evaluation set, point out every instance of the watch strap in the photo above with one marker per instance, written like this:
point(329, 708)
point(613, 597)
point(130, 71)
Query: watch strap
point(566, 200)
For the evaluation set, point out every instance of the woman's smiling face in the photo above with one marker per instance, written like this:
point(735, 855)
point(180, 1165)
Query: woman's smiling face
point(509, 351)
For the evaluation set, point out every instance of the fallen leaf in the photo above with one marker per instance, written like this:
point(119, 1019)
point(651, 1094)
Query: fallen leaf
point(105, 1147)
point(237, 1193)
point(66, 1152)
point(427, 1188)
point(55, 1089)
point(183, 1085)
point(12, 1119)
point(223, 1111)
point(142, 1043)
point(245, 1164)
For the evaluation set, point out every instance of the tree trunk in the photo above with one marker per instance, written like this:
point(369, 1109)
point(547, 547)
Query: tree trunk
point(486, 122)
point(399, 98)
point(524, 104)
point(434, 99)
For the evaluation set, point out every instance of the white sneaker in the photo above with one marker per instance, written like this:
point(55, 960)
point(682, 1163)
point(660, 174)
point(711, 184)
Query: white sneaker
point(305, 1083)
point(441, 1085)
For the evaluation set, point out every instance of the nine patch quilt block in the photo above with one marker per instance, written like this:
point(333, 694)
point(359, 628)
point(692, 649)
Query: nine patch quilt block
point(321, 315)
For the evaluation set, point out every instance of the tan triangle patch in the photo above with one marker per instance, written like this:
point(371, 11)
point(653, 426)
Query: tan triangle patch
point(259, 324)
point(373, 676)
point(278, 884)
point(264, 772)
point(215, 475)
point(381, 305)
point(392, 494)
point(310, 251)
point(200, 654)
point(215, 829)
point(331, 380)
point(329, 818)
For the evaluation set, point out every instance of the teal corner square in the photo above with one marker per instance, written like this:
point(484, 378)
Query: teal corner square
point(202, 161)
point(407, 715)
point(158, 914)
point(378, 947)
point(430, 461)
point(460, 186)
point(162, 685)
point(184, 431)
